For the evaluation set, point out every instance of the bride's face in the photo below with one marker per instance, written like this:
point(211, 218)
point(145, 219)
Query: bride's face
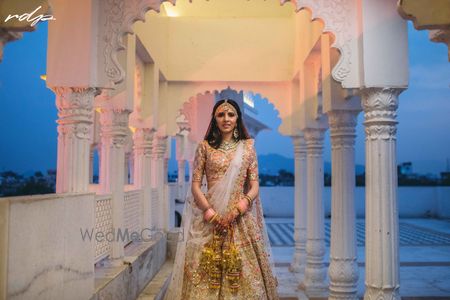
point(226, 120)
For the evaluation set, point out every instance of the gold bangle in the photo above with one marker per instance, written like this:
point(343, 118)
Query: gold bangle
point(249, 199)
point(213, 218)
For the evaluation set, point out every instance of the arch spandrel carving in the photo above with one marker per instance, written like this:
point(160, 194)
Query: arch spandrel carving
point(116, 18)
point(339, 17)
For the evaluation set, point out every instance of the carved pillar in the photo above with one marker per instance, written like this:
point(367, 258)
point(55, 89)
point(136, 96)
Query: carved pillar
point(113, 132)
point(343, 270)
point(315, 271)
point(382, 263)
point(143, 138)
point(299, 261)
point(181, 159)
point(160, 208)
point(75, 118)
point(181, 179)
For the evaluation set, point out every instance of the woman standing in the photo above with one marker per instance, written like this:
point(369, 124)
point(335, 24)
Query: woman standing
point(225, 252)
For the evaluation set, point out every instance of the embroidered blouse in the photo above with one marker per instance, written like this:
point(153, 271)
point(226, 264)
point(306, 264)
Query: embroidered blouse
point(214, 162)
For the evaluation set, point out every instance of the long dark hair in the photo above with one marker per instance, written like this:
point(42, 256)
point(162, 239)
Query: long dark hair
point(213, 134)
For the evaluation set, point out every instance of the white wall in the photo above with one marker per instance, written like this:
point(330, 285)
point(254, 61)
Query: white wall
point(413, 202)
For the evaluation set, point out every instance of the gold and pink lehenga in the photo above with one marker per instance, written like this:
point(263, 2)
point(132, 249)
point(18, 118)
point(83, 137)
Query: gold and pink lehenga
point(231, 171)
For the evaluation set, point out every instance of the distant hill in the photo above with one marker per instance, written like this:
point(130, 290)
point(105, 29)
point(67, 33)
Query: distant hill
point(272, 163)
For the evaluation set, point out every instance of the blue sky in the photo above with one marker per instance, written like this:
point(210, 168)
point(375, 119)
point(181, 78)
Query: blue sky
point(28, 113)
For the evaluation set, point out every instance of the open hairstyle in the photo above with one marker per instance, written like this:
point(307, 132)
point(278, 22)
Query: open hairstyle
point(213, 134)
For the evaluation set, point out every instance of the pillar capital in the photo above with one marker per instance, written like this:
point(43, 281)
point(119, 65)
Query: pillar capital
point(75, 119)
point(299, 144)
point(75, 111)
point(160, 146)
point(143, 141)
point(314, 138)
point(114, 126)
point(342, 128)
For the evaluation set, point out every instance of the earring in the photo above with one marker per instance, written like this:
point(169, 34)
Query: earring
point(236, 133)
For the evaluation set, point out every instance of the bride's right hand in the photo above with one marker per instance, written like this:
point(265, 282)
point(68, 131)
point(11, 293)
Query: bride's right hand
point(208, 214)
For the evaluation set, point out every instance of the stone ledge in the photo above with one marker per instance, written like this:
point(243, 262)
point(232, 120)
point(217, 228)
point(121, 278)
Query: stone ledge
point(141, 263)
point(157, 288)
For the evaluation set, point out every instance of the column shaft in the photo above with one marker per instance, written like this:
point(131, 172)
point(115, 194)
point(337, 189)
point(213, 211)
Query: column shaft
point(113, 132)
point(181, 179)
point(382, 263)
point(343, 270)
point(299, 261)
point(160, 205)
point(142, 165)
point(315, 271)
point(75, 119)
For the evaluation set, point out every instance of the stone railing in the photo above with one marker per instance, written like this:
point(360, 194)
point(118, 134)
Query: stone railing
point(42, 254)
point(103, 223)
point(132, 212)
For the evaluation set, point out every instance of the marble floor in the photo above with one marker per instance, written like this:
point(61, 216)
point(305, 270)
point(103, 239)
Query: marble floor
point(424, 257)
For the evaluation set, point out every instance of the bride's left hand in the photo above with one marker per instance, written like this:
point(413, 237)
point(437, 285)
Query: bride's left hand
point(230, 217)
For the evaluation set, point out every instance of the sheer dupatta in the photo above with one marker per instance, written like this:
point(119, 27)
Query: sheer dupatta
point(195, 233)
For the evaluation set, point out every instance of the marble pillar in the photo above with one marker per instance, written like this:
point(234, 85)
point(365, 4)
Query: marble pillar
point(75, 119)
point(113, 133)
point(181, 179)
point(299, 260)
point(382, 256)
point(142, 149)
point(160, 203)
point(315, 272)
point(343, 269)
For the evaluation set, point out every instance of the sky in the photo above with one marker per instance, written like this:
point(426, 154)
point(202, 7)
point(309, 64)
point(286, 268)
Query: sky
point(28, 113)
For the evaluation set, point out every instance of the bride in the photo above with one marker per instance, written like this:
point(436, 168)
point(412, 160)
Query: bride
point(225, 252)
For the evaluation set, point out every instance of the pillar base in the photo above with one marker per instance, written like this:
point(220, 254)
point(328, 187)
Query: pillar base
point(391, 293)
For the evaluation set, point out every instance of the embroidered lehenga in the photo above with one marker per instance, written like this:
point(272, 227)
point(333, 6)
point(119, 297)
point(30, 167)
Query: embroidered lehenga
point(229, 172)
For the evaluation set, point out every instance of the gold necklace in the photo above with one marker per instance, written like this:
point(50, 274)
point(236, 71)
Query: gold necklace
point(228, 145)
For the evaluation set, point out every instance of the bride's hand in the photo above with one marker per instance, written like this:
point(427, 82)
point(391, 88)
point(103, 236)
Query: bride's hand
point(221, 225)
point(208, 214)
point(243, 205)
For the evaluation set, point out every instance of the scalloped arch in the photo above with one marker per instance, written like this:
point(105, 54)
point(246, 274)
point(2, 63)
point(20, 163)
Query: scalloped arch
point(339, 17)
point(189, 111)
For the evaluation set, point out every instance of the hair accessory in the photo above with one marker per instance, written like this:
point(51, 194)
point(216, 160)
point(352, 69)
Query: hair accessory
point(225, 106)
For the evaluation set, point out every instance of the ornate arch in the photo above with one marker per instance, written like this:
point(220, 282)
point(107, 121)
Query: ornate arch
point(189, 112)
point(339, 18)
point(116, 18)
